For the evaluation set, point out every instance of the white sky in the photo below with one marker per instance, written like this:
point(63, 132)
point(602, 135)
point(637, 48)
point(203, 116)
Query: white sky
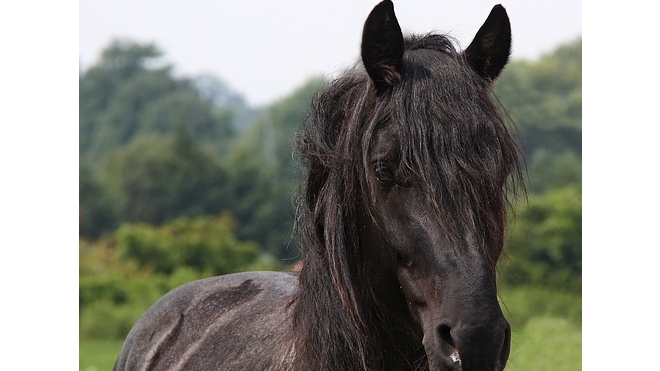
point(265, 49)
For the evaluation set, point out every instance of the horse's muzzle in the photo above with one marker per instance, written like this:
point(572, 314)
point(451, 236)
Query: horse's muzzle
point(464, 347)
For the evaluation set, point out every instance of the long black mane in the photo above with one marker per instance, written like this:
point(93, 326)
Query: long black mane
point(438, 106)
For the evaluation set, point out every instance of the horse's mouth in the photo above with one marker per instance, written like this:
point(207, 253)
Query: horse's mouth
point(455, 359)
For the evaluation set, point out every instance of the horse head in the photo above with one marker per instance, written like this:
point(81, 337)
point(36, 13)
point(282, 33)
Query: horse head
point(436, 157)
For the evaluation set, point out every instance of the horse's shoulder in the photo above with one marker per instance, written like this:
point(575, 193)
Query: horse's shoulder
point(201, 315)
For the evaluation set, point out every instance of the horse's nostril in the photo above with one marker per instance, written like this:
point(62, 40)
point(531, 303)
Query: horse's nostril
point(448, 346)
point(445, 335)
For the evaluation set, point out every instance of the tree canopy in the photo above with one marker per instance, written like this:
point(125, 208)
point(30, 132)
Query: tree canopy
point(544, 99)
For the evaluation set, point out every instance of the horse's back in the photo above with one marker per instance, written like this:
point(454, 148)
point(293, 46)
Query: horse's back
point(233, 322)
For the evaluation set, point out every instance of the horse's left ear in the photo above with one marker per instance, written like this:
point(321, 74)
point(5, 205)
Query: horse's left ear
point(382, 46)
point(489, 51)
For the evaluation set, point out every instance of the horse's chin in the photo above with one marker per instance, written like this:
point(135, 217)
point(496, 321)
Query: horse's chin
point(452, 363)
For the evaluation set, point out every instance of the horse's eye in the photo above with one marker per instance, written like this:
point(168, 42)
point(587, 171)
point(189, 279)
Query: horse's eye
point(384, 174)
point(402, 258)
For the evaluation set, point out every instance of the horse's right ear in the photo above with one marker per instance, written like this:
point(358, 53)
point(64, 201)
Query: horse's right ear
point(382, 46)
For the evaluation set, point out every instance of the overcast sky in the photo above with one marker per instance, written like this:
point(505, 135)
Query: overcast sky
point(265, 49)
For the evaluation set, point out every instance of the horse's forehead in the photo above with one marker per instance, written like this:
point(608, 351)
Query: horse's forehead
point(386, 137)
point(439, 81)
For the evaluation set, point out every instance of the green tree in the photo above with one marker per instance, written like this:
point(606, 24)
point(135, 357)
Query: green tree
point(544, 99)
point(184, 107)
point(160, 178)
point(125, 96)
point(119, 63)
point(551, 170)
point(123, 117)
point(263, 175)
point(98, 209)
point(128, 107)
point(544, 246)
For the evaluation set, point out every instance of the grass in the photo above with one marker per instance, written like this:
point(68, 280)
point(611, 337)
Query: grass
point(545, 344)
point(98, 355)
point(520, 304)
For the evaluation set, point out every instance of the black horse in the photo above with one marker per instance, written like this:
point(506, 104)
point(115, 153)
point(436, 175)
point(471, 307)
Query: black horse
point(408, 165)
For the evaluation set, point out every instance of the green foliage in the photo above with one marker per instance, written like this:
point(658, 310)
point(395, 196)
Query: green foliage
point(204, 244)
point(263, 177)
point(544, 99)
point(181, 108)
point(546, 94)
point(552, 170)
point(123, 97)
point(544, 246)
point(99, 210)
point(156, 179)
point(125, 273)
point(123, 117)
point(112, 293)
point(131, 115)
point(120, 61)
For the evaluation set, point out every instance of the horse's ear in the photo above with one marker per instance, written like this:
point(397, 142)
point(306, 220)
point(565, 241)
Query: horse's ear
point(382, 46)
point(489, 51)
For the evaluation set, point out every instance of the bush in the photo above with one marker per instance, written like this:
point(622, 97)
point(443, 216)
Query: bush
point(111, 303)
point(105, 320)
point(544, 246)
point(121, 276)
point(204, 244)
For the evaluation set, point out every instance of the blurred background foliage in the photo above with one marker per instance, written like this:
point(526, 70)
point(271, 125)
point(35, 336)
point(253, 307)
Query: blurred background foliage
point(180, 179)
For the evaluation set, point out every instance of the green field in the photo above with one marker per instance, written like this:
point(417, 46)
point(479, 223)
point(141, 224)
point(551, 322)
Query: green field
point(98, 355)
point(544, 344)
